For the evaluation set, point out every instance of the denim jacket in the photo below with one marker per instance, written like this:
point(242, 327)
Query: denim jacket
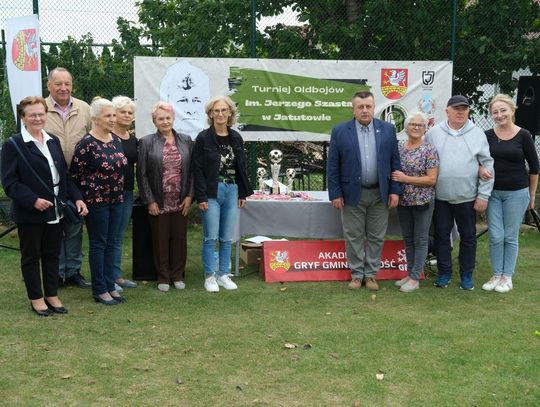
point(150, 167)
point(206, 159)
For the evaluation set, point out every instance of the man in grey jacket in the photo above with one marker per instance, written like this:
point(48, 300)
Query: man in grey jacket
point(459, 192)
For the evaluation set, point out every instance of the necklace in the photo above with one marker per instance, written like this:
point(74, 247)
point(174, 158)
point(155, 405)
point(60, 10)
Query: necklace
point(504, 134)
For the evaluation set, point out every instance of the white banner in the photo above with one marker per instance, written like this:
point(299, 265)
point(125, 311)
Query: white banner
point(288, 100)
point(23, 58)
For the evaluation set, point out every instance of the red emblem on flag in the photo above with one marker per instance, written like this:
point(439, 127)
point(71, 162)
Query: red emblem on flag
point(394, 82)
point(25, 51)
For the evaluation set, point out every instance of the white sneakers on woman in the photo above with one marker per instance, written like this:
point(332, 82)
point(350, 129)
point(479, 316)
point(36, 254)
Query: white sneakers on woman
point(211, 284)
point(505, 285)
point(501, 284)
point(226, 282)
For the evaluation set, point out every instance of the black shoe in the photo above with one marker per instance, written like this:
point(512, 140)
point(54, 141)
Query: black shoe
point(56, 310)
point(119, 299)
point(77, 280)
point(42, 313)
point(105, 302)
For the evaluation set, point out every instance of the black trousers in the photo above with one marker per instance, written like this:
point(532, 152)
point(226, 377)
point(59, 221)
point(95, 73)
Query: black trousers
point(40, 246)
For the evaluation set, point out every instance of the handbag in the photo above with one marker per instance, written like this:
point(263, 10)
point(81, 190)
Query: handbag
point(70, 212)
point(66, 208)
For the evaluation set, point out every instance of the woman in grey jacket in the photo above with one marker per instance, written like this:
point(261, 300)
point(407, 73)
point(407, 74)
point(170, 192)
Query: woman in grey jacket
point(166, 188)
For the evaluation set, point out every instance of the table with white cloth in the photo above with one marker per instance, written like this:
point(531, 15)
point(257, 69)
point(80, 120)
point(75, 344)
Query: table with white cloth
point(315, 219)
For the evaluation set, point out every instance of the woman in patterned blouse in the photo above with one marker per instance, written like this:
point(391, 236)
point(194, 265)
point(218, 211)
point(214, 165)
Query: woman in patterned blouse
point(166, 188)
point(420, 166)
point(98, 167)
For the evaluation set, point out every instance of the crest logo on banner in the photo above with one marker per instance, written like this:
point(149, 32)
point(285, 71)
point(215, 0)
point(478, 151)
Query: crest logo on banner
point(394, 82)
point(395, 114)
point(428, 77)
point(25, 50)
point(279, 261)
point(23, 65)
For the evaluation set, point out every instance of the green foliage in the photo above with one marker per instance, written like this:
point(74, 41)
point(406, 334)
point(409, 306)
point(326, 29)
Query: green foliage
point(97, 71)
point(7, 118)
point(493, 37)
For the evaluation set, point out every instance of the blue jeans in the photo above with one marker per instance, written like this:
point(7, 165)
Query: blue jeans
point(70, 251)
point(218, 223)
point(103, 225)
point(504, 215)
point(127, 208)
point(415, 222)
point(464, 216)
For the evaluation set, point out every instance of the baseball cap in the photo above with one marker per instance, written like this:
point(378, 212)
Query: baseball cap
point(457, 100)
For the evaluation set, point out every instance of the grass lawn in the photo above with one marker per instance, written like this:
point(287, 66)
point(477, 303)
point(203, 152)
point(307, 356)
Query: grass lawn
point(436, 347)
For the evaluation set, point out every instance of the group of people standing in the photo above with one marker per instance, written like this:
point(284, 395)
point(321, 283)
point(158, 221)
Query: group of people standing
point(69, 151)
point(443, 177)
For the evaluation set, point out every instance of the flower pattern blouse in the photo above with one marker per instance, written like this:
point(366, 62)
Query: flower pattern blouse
point(98, 169)
point(172, 178)
point(415, 162)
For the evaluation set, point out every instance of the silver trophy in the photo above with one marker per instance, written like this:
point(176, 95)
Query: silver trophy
point(290, 173)
point(261, 173)
point(275, 156)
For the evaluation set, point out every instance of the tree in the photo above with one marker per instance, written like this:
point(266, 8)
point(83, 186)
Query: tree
point(494, 37)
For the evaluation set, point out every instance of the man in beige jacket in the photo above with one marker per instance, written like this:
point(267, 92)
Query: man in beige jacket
point(69, 119)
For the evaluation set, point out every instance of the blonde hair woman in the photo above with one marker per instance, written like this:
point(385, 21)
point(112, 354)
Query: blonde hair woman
point(515, 187)
point(221, 188)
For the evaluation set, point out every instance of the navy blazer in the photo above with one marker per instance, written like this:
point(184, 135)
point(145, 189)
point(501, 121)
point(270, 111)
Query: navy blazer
point(344, 169)
point(21, 185)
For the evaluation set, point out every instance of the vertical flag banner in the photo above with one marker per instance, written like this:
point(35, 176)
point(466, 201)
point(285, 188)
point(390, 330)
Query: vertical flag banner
point(23, 58)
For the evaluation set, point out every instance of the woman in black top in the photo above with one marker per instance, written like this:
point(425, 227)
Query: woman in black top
point(221, 188)
point(514, 190)
point(125, 111)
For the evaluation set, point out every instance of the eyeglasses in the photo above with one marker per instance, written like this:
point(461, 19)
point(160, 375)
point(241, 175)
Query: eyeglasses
point(417, 125)
point(218, 111)
point(36, 115)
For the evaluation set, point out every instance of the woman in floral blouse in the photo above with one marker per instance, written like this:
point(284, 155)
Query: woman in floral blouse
point(98, 167)
point(166, 188)
point(420, 166)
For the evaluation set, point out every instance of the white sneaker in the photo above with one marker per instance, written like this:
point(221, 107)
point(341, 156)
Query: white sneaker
point(179, 285)
point(399, 283)
point(410, 286)
point(226, 282)
point(210, 285)
point(118, 288)
point(163, 287)
point(492, 283)
point(505, 285)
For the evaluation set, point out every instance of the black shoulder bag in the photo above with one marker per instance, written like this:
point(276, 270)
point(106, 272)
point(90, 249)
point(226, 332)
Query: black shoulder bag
point(67, 208)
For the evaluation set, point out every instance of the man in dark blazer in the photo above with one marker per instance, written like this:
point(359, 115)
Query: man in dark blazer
point(363, 153)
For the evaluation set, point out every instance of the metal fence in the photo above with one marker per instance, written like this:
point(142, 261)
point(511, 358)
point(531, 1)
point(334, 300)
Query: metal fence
point(491, 42)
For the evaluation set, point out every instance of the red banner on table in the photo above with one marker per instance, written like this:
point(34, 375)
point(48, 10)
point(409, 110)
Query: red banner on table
point(325, 260)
